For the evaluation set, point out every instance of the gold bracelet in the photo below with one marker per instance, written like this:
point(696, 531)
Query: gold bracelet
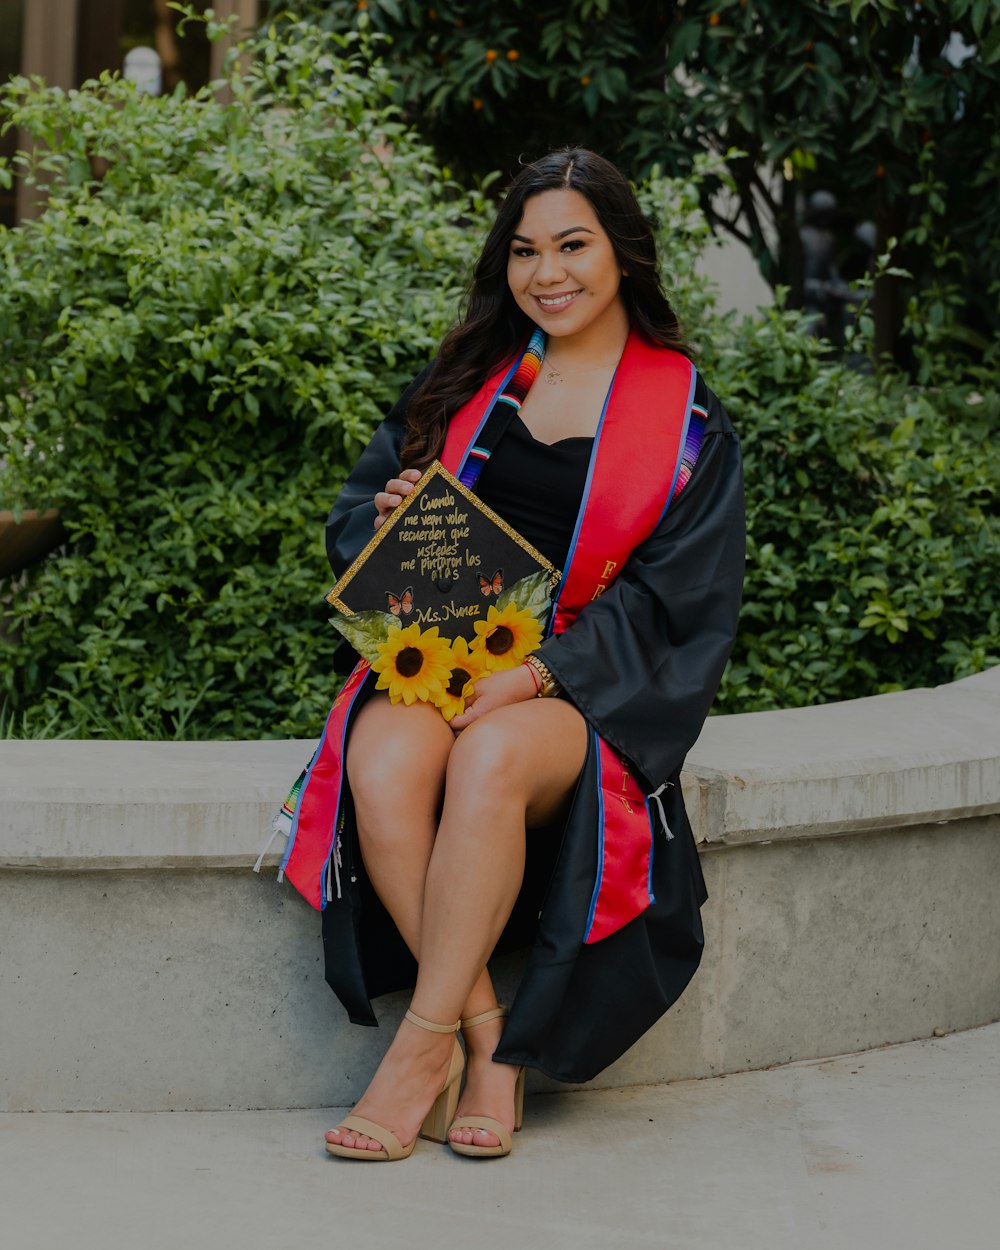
point(549, 686)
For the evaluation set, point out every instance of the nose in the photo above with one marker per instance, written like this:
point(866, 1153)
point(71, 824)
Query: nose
point(550, 268)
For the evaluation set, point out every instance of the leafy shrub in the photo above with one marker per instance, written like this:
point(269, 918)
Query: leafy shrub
point(874, 535)
point(873, 547)
point(220, 302)
point(198, 337)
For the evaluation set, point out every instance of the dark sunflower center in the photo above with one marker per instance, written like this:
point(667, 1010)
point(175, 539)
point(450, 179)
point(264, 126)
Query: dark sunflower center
point(409, 661)
point(457, 684)
point(500, 641)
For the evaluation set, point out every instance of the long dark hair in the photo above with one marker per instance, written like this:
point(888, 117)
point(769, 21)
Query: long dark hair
point(494, 328)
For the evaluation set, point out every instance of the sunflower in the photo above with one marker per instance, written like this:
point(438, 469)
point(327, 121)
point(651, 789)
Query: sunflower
point(466, 670)
point(506, 636)
point(412, 665)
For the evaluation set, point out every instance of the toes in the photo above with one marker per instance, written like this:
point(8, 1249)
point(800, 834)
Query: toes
point(473, 1137)
point(351, 1140)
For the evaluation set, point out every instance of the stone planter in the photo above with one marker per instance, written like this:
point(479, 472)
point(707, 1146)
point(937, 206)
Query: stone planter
point(851, 850)
point(27, 540)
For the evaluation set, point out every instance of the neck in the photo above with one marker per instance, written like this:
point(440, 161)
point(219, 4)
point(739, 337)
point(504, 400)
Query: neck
point(599, 344)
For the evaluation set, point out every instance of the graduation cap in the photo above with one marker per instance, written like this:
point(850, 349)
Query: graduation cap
point(442, 558)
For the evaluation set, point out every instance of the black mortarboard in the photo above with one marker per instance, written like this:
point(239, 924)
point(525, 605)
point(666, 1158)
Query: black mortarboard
point(441, 558)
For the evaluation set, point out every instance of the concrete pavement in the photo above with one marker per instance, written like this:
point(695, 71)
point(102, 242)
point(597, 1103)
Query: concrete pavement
point(893, 1148)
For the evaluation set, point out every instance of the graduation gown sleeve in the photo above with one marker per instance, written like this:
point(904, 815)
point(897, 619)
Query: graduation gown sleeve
point(642, 663)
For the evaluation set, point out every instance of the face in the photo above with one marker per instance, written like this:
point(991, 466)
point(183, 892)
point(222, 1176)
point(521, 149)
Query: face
point(562, 269)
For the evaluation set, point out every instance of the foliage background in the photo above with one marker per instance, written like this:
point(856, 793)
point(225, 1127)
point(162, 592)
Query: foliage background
point(893, 106)
point(223, 298)
point(196, 345)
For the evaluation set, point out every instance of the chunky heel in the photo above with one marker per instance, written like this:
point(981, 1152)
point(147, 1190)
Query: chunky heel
point(485, 1122)
point(519, 1101)
point(438, 1119)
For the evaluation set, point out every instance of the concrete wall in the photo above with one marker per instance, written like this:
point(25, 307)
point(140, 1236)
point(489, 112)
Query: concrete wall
point(852, 854)
point(730, 266)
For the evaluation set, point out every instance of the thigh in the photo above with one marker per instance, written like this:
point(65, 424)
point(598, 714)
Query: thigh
point(532, 752)
point(398, 754)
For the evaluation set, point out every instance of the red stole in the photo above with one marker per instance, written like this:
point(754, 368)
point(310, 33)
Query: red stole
point(633, 469)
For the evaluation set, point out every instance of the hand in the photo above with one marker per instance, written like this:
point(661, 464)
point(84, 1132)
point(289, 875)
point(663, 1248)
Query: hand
point(513, 685)
point(396, 490)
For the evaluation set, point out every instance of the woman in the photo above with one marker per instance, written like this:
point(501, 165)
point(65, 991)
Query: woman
point(623, 469)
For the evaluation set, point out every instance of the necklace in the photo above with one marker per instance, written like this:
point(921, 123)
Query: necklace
point(553, 377)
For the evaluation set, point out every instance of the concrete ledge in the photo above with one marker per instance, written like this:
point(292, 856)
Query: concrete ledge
point(146, 968)
point(895, 760)
point(69, 805)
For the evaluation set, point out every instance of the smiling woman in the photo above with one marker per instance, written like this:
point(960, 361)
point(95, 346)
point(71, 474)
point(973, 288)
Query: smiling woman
point(567, 277)
point(546, 811)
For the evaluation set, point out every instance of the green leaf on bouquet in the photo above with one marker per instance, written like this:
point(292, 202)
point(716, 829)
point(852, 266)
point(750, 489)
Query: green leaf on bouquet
point(365, 630)
point(533, 593)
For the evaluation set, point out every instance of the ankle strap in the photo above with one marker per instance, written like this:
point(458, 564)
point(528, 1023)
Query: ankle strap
point(430, 1025)
point(471, 1021)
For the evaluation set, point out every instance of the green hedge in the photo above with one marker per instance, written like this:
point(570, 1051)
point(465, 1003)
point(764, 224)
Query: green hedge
point(198, 336)
point(874, 532)
point(193, 349)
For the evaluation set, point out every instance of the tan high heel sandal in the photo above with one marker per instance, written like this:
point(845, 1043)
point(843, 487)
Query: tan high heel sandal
point(436, 1121)
point(486, 1122)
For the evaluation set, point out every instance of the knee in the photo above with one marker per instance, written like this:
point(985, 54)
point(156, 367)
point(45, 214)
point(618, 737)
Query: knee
point(488, 758)
point(395, 775)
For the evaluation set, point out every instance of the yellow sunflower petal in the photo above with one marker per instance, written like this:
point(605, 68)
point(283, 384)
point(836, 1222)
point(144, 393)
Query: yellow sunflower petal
point(506, 636)
point(465, 661)
point(412, 664)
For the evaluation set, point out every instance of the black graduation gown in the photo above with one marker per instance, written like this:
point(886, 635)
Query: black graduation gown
point(642, 663)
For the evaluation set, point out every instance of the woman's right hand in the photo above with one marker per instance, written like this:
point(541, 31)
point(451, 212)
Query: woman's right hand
point(396, 490)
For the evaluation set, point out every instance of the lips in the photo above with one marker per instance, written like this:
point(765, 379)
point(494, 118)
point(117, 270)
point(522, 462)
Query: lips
point(553, 303)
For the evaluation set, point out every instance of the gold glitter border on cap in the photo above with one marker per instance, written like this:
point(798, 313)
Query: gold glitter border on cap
point(435, 469)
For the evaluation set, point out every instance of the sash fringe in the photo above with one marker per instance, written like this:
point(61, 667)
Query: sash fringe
point(281, 824)
point(655, 797)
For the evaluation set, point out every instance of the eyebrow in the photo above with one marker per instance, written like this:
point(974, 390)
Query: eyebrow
point(561, 235)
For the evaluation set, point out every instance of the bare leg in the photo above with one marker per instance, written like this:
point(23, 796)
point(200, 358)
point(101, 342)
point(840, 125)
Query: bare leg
point(396, 762)
point(513, 767)
point(523, 764)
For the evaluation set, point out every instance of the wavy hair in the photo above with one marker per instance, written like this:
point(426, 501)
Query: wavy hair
point(494, 328)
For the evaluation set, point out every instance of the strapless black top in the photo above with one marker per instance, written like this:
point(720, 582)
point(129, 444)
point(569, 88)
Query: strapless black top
point(537, 487)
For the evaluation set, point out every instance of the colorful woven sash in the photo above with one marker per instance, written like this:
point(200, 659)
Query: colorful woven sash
point(497, 420)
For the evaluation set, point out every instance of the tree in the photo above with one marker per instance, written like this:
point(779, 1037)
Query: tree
point(893, 106)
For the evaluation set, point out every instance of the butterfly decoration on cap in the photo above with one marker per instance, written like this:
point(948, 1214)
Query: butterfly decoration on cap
point(491, 585)
point(400, 605)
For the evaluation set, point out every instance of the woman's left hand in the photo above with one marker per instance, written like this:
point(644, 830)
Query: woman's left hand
point(514, 685)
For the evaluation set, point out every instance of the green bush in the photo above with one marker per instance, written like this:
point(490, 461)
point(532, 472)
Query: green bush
point(198, 336)
point(873, 547)
point(196, 340)
point(874, 535)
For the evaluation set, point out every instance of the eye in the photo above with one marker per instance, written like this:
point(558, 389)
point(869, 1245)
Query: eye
point(522, 251)
point(574, 244)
